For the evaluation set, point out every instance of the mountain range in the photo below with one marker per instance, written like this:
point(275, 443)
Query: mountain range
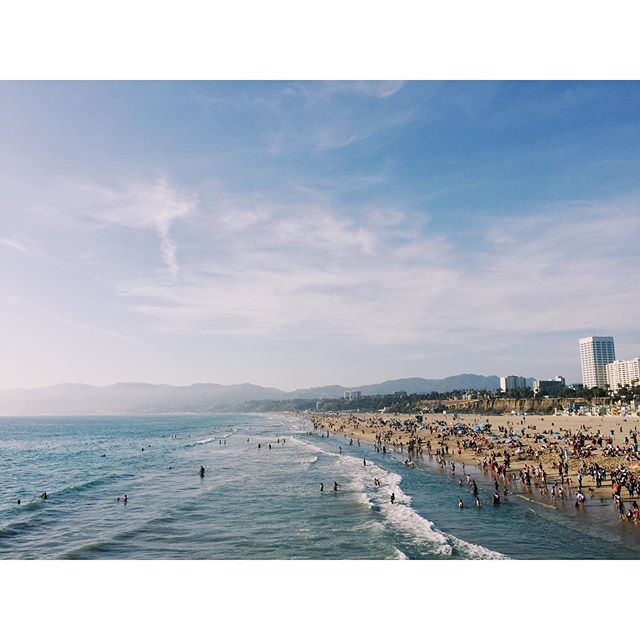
point(143, 398)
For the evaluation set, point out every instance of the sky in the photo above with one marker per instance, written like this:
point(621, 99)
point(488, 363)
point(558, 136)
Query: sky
point(295, 234)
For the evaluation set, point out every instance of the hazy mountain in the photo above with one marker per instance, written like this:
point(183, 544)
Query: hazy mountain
point(136, 397)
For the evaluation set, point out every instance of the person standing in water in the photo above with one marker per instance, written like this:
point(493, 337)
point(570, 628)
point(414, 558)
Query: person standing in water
point(335, 486)
point(460, 503)
point(321, 487)
point(201, 471)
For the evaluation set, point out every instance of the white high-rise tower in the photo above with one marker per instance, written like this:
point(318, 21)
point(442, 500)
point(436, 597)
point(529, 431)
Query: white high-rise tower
point(596, 352)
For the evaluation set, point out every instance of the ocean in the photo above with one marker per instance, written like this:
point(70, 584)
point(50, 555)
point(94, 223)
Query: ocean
point(262, 502)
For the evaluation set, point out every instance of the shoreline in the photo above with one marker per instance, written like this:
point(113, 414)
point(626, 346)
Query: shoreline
point(518, 453)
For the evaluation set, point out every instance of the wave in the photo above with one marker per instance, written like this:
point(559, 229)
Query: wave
point(400, 516)
point(398, 555)
point(89, 484)
point(214, 438)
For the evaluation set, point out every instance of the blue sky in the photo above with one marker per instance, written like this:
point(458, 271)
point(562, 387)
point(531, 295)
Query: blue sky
point(296, 234)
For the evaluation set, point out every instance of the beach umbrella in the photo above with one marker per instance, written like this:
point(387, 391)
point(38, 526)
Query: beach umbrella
point(477, 429)
point(509, 440)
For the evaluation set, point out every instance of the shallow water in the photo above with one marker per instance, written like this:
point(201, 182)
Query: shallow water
point(258, 502)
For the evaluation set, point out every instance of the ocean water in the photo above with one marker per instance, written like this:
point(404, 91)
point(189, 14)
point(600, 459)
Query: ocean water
point(261, 503)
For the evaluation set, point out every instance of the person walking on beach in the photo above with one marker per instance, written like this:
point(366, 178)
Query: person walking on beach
point(393, 498)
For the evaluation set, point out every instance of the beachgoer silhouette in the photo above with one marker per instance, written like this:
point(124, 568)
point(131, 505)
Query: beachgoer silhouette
point(335, 486)
point(201, 471)
point(460, 504)
point(125, 498)
point(18, 500)
point(321, 487)
point(393, 498)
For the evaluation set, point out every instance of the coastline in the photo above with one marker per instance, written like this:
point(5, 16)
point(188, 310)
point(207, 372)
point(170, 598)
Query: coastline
point(533, 443)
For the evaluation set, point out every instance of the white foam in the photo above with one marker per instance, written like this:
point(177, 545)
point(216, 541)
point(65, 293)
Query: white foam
point(400, 515)
point(398, 555)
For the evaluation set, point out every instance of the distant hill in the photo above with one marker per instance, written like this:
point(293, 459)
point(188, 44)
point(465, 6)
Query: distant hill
point(142, 398)
point(410, 385)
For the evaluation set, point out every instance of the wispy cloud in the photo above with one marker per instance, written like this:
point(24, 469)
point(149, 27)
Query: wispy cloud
point(156, 207)
point(305, 270)
point(16, 245)
point(94, 329)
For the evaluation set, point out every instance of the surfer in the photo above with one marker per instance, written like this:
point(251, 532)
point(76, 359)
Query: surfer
point(201, 471)
point(44, 496)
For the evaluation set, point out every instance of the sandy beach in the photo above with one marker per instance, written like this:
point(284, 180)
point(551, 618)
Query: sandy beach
point(544, 458)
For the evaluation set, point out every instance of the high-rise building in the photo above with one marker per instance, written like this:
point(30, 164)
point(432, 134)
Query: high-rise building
point(623, 372)
point(596, 352)
point(509, 383)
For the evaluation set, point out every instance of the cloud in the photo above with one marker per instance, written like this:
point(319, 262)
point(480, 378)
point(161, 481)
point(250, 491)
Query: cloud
point(101, 330)
point(312, 270)
point(156, 206)
point(16, 245)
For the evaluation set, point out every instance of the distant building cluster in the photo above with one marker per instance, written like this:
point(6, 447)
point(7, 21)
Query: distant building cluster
point(540, 387)
point(352, 395)
point(600, 367)
point(511, 383)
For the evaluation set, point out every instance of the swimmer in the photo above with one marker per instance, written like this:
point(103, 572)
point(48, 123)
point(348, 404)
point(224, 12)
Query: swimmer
point(259, 445)
point(19, 502)
point(335, 486)
point(340, 449)
point(321, 487)
point(393, 498)
point(269, 446)
point(125, 498)
point(44, 496)
point(460, 504)
point(478, 502)
point(201, 471)
point(496, 497)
